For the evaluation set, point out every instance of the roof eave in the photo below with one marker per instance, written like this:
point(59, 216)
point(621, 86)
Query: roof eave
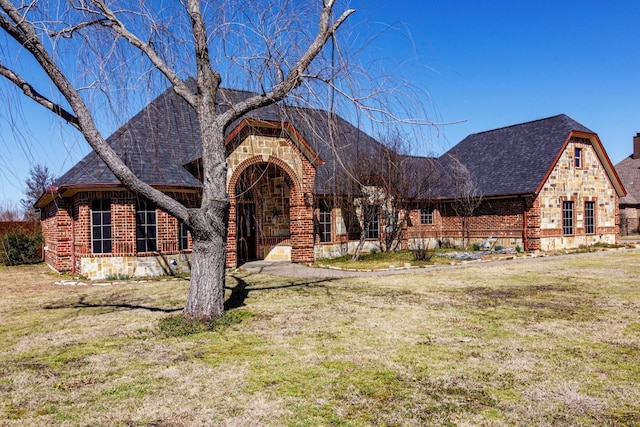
point(602, 156)
point(70, 190)
point(612, 174)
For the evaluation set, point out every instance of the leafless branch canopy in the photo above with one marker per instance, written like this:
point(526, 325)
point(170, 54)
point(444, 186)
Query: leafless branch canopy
point(104, 60)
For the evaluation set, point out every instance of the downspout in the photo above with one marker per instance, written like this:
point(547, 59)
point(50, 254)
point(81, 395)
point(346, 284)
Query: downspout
point(73, 243)
point(525, 240)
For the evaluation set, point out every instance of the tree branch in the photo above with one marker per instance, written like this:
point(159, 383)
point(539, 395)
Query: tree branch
point(68, 32)
point(23, 32)
point(30, 92)
point(208, 80)
point(296, 75)
point(111, 20)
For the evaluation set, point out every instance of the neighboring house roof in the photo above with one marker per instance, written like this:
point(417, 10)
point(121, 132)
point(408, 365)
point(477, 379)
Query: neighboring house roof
point(513, 159)
point(629, 173)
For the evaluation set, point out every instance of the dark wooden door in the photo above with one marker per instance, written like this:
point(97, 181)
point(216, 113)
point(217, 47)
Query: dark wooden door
point(246, 232)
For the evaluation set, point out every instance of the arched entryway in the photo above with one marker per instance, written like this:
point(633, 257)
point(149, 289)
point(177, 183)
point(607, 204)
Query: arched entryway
point(262, 200)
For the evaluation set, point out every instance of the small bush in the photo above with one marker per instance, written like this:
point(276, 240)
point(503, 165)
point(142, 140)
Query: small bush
point(476, 247)
point(422, 254)
point(20, 247)
point(373, 250)
point(118, 277)
point(518, 248)
point(497, 248)
point(605, 245)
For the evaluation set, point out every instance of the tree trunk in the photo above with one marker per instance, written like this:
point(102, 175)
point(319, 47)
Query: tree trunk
point(210, 222)
point(208, 270)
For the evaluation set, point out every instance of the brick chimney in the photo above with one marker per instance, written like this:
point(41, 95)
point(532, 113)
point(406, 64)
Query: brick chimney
point(636, 147)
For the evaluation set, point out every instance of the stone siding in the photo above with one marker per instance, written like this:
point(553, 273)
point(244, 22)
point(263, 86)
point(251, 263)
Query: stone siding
point(291, 194)
point(266, 147)
point(101, 268)
point(587, 183)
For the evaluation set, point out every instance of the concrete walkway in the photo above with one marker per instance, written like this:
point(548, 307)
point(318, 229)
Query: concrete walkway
point(288, 269)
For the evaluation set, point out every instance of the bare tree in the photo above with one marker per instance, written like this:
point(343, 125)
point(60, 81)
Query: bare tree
point(467, 197)
point(404, 179)
point(39, 179)
point(119, 34)
point(104, 59)
point(386, 184)
point(9, 212)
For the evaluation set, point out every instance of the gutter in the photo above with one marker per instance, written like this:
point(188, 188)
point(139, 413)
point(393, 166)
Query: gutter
point(73, 243)
point(525, 225)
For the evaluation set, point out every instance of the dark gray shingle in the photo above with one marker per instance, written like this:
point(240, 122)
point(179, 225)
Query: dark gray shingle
point(513, 159)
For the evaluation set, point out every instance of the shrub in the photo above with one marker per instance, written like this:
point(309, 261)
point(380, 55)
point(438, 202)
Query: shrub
point(476, 247)
point(518, 248)
point(422, 254)
point(118, 277)
point(20, 247)
point(497, 248)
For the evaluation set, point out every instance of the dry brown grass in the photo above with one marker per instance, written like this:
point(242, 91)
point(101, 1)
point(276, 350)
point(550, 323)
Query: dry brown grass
point(543, 342)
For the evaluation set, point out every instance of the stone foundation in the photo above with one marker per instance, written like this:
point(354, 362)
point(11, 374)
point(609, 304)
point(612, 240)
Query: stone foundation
point(277, 253)
point(103, 268)
point(335, 250)
point(571, 242)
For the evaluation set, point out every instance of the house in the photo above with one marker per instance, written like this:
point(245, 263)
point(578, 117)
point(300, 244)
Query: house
point(306, 184)
point(629, 172)
point(543, 185)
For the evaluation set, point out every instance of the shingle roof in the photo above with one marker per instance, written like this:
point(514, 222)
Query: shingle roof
point(154, 144)
point(164, 136)
point(629, 172)
point(513, 159)
point(334, 139)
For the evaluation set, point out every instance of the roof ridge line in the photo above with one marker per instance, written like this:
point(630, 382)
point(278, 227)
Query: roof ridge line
point(520, 124)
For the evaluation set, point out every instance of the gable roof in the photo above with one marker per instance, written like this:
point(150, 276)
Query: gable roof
point(514, 159)
point(164, 136)
point(629, 172)
point(154, 144)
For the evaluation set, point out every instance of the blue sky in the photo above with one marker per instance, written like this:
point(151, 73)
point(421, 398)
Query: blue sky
point(486, 63)
point(496, 63)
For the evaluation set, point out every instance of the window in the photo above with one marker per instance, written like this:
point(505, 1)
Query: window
point(183, 237)
point(372, 221)
point(577, 157)
point(589, 218)
point(101, 226)
point(324, 221)
point(146, 229)
point(426, 216)
point(567, 218)
point(352, 222)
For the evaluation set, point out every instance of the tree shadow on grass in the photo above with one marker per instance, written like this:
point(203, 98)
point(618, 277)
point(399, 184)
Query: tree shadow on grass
point(240, 292)
point(82, 303)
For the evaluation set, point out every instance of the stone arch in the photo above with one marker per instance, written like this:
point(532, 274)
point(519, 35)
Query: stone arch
point(254, 160)
point(274, 243)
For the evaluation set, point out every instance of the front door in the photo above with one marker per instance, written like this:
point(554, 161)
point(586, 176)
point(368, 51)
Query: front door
point(246, 232)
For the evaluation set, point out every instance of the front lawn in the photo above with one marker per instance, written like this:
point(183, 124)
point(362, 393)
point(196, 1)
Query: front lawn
point(553, 341)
